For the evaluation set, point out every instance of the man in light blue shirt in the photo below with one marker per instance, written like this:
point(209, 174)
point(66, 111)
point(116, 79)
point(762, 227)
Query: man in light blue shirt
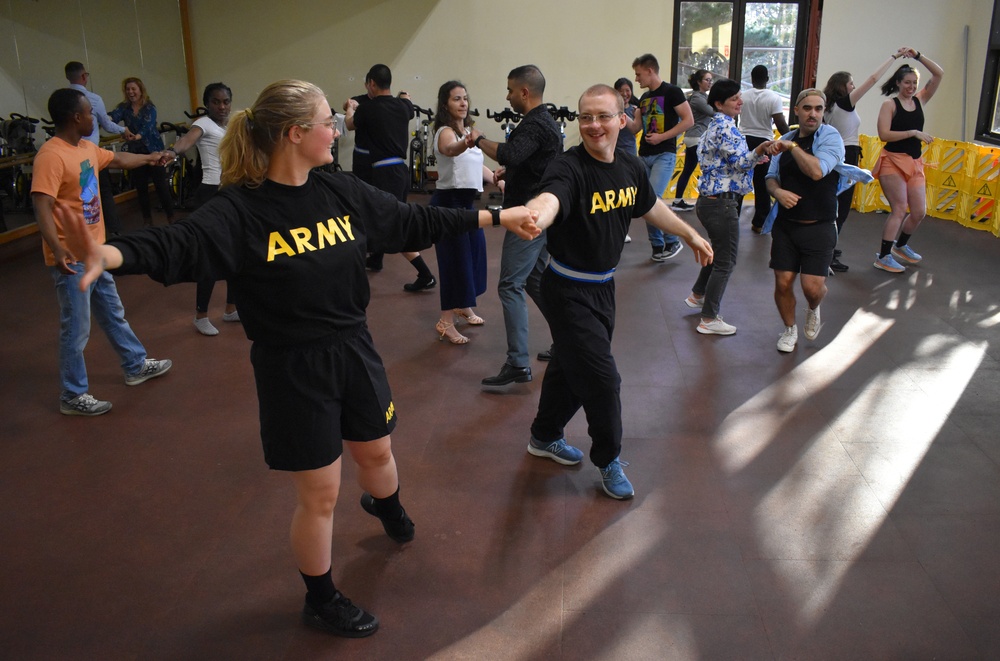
point(78, 77)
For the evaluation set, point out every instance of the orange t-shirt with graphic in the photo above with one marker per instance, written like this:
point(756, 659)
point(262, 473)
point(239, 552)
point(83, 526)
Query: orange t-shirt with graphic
point(69, 174)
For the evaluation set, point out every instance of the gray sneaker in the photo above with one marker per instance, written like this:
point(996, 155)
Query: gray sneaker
point(150, 370)
point(669, 252)
point(557, 451)
point(85, 404)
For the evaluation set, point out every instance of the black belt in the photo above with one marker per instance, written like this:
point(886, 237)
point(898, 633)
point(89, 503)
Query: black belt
point(723, 196)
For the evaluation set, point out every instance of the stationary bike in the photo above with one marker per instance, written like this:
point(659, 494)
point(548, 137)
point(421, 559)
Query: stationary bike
point(561, 115)
point(419, 157)
point(506, 118)
point(183, 173)
point(16, 140)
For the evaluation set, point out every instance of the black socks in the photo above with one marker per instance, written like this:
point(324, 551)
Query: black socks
point(886, 248)
point(320, 588)
point(388, 508)
point(422, 270)
point(903, 238)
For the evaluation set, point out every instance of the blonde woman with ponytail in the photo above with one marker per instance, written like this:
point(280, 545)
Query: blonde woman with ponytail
point(292, 241)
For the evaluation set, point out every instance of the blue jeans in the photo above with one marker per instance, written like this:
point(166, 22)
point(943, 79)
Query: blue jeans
point(521, 266)
point(721, 218)
point(660, 169)
point(75, 308)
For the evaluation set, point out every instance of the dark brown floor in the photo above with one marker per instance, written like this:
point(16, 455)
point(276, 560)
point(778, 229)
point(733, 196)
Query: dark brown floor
point(841, 502)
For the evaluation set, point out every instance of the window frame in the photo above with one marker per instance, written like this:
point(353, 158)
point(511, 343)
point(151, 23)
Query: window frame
point(991, 79)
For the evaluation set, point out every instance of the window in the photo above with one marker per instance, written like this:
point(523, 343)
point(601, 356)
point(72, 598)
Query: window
point(988, 123)
point(731, 37)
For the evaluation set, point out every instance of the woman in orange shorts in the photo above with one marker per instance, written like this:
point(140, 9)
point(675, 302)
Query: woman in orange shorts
point(900, 169)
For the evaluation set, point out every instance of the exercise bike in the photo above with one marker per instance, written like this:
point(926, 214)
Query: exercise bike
point(419, 157)
point(561, 115)
point(183, 173)
point(16, 145)
point(506, 118)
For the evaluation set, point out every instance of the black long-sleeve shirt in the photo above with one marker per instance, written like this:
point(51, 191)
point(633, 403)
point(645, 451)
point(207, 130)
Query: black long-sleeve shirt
point(528, 151)
point(294, 255)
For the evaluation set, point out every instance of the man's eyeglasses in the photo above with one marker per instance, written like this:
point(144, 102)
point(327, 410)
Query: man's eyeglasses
point(603, 118)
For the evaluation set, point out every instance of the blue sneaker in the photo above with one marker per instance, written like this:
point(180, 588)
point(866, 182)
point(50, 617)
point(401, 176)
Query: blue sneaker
point(906, 254)
point(614, 481)
point(888, 263)
point(557, 451)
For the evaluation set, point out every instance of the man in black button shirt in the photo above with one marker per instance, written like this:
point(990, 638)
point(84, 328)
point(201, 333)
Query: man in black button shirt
point(531, 146)
point(588, 198)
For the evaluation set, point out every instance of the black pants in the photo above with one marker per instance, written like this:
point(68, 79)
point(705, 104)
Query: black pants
point(852, 156)
point(203, 292)
point(112, 223)
point(582, 372)
point(761, 198)
point(140, 179)
point(393, 179)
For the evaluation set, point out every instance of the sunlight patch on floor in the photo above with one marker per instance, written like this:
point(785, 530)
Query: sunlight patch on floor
point(821, 514)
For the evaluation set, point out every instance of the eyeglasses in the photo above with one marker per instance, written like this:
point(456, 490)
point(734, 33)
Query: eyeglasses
point(603, 118)
point(330, 123)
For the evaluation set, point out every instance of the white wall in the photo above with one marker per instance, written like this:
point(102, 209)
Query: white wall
point(859, 40)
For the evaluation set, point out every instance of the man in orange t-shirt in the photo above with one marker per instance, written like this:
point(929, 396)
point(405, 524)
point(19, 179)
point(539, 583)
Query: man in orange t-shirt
point(65, 172)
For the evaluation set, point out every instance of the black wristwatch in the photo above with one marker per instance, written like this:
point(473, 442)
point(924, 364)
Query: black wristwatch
point(495, 212)
point(476, 143)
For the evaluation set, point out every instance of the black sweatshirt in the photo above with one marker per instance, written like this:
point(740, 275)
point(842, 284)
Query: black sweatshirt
point(294, 255)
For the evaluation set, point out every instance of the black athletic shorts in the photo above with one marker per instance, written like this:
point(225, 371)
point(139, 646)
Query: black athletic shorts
point(803, 247)
point(314, 395)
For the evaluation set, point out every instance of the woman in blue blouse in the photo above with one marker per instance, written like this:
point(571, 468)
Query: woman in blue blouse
point(726, 176)
point(139, 115)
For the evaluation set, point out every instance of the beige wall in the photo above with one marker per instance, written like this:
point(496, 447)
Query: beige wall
point(858, 41)
point(114, 38)
point(250, 43)
point(576, 44)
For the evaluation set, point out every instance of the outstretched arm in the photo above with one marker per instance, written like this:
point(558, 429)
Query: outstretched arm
point(547, 206)
point(667, 220)
point(96, 257)
point(937, 73)
point(870, 81)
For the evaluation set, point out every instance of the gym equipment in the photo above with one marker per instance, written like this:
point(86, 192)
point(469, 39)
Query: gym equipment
point(562, 115)
point(419, 156)
point(17, 144)
point(506, 118)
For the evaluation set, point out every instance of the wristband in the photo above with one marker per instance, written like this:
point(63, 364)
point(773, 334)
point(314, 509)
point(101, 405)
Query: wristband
point(917, 56)
point(495, 212)
point(476, 145)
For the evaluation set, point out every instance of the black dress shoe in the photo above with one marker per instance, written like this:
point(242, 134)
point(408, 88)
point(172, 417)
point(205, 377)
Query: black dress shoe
point(544, 356)
point(421, 283)
point(835, 265)
point(373, 262)
point(509, 374)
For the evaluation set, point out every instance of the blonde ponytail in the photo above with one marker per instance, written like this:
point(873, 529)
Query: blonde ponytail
point(253, 134)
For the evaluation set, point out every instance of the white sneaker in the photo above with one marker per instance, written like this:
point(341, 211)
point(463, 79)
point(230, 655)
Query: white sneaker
point(628, 239)
point(233, 316)
point(716, 327)
point(205, 326)
point(813, 324)
point(788, 339)
point(694, 303)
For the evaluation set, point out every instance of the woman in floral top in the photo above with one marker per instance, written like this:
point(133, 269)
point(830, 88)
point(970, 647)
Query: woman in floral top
point(726, 176)
point(139, 115)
